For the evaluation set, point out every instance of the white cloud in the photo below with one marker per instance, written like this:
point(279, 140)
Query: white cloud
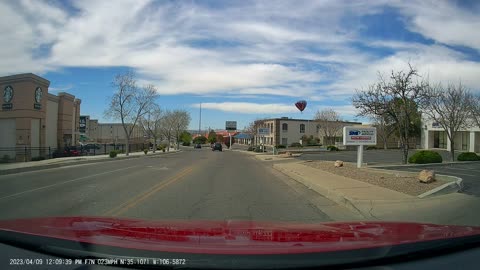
point(249, 108)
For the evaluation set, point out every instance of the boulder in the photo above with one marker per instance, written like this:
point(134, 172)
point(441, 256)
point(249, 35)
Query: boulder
point(288, 154)
point(426, 176)
point(338, 163)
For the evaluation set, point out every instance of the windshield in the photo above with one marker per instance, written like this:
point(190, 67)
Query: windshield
point(303, 112)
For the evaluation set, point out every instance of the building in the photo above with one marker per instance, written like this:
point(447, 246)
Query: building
point(95, 132)
point(285, 131)
point(433, 136)
point(32, 118)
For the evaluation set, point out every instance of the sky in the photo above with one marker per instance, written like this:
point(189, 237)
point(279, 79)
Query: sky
point(243, 60)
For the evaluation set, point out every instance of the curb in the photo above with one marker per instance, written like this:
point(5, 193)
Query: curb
point(70, 163)
point(452, 187)
point(421, 165)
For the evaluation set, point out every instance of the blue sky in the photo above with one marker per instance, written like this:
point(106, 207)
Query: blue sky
point(242, 60)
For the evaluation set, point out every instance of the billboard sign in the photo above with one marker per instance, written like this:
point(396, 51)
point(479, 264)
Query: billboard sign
point(82, 124)
point(263, 131)
point(359, 135)
point(231, 125)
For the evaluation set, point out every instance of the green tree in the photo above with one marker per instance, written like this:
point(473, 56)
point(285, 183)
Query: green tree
point(212, 137)
point(185, 137)
point(200, 139)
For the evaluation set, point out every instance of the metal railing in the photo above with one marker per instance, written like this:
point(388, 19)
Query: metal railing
point(28, 153)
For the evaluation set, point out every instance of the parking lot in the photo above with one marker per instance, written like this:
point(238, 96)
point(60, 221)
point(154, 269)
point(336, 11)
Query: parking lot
point(469, 172)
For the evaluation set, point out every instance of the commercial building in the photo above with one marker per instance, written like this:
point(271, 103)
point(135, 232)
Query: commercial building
point(93, 131)
point(32, 118)
point(285, 131)
point(433, 136)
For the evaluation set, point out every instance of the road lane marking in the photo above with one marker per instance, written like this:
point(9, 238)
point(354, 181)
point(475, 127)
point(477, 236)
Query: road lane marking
point(69, 181)
point(144, 195)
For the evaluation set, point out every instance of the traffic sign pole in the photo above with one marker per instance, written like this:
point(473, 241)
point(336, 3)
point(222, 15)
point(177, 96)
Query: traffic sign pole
point(359, 156)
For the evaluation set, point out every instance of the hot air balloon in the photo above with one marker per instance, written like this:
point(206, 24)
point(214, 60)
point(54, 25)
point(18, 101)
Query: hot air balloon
point(301, 105)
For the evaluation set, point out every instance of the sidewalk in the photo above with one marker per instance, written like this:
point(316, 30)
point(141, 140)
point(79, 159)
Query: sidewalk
point(378, 203)
point(17, 167)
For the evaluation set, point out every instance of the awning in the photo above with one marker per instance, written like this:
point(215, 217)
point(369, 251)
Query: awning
point(243, 136)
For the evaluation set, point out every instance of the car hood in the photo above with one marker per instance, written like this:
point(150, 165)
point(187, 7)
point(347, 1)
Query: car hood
point(233, 236)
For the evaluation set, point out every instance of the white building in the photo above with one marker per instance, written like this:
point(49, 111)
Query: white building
point(433, 136)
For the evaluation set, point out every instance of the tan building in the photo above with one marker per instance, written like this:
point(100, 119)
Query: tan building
point(33, 119)
point(285, 131)
point(96, 132)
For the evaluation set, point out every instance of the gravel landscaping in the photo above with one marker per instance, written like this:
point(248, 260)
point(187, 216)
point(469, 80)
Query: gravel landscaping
point(401, 182)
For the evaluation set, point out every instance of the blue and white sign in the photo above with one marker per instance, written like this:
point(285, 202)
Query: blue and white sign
point(263, 131)
point(359, 135)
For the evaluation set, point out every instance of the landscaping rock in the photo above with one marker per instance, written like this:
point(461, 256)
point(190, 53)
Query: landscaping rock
point(426, 176)
point(288, 154)
point(338, 163)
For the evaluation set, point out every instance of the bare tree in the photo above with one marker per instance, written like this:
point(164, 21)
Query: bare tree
point(166, 126)
point(329, 123)
point(395, 98)
point(384, 129)
point(129, 103)
point(180, 121)
point(252, 128)
point(451, 108)
point(475, 109)
point(151, 122)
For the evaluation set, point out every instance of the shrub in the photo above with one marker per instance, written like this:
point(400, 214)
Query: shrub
point(332, 148)
point(5, 159)
point(425, 156)
point(113, 154)
point(145, 151)
point(371, 147)
point(468, 156)
point(281, 146)
point(38, 158)
point(296, 144)
point(186, 143)
point(259, 150)
point(251, 148)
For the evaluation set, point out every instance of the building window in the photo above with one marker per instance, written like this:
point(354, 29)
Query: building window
point(302, 128)
point(284, 127)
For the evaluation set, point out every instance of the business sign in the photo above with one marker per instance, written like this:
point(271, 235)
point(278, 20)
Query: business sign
point(263, 131)
point(231, 125)
point(359, 135)
point(82, 126)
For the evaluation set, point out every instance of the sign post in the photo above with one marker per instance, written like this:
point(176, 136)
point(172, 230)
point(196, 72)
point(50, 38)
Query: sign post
point(262, 132)
point(359, 136)
point(230, 126)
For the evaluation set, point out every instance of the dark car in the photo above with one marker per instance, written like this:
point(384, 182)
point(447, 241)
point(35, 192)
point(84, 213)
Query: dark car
point(68, 151)
point(197, 145)
point(217, 146)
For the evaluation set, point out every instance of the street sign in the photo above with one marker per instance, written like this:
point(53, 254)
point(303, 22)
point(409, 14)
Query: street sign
point(263, 131)
point(231, 125)
point(359, 135)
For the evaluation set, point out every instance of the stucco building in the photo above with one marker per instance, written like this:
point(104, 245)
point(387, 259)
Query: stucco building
point(32, 118)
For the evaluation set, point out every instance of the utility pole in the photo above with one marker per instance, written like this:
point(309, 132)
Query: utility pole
point(200, 121)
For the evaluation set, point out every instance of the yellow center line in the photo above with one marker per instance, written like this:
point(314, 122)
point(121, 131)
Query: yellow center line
point(144, 195)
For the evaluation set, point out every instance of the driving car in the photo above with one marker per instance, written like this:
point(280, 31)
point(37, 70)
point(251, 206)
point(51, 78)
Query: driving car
point(217, 146)
point(197, 146)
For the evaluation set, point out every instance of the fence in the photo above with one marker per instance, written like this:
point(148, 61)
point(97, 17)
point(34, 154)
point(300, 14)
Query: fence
point(27, 153)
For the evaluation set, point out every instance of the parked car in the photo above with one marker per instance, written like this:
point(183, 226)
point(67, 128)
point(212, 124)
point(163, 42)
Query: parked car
point(68, 151)
point(217, 146)
point(197, 145)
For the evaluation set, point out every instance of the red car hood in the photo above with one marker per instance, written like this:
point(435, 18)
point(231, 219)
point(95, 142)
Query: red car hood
point(233, 237)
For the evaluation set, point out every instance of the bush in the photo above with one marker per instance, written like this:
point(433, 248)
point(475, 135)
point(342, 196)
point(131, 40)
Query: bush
point(113, 154)
point(251, 148)
point(5, 159)
point(145, 151)
point(425, 156)
point(186, 143)
point(259, 150)
point(468, 156)
point(332, 148)
point(281, 146)
point(296, 144)
point(38, 158)
point(371, 147)
point(313, 144)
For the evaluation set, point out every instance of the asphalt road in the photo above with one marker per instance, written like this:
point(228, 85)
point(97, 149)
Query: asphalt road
point(193, 184)
point(469, 172)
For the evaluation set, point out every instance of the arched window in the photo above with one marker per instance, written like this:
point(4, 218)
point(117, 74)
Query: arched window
point(302, 128)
